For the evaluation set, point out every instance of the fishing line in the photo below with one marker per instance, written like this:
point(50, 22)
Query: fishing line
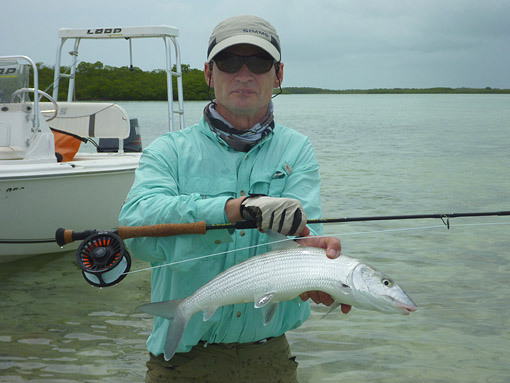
point(414, 229)
point(205, 256)
point(318, 236)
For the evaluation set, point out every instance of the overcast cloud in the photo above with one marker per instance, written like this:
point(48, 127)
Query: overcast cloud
point(335, 44)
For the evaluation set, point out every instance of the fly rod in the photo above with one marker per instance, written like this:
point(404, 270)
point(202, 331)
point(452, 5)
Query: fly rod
point(65, 236)
point(105, 261)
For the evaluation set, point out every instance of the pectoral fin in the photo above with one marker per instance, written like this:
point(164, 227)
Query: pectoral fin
point(268, 309)
point(261, 301)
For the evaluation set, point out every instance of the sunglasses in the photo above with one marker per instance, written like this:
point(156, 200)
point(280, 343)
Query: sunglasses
point(231, 63)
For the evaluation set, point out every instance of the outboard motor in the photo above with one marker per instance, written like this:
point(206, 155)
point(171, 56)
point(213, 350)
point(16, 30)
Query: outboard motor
point(131, 144)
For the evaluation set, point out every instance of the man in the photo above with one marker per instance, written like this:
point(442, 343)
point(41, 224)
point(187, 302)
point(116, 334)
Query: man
point(235, 164)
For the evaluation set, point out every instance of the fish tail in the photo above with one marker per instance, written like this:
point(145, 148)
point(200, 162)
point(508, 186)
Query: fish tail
point(172, 311)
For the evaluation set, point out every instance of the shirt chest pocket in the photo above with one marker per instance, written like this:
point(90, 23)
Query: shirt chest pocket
point(209, 187)
point(270, 182)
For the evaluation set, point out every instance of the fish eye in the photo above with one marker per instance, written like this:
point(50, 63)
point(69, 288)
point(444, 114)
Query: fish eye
point(387, 282)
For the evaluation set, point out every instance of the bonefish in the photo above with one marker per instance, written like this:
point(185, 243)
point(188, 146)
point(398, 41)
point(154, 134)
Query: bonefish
point(281, 275)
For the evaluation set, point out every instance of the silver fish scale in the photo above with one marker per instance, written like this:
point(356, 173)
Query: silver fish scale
point(286, 273)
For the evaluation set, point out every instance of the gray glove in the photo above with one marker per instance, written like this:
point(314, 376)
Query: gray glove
point(284, 215)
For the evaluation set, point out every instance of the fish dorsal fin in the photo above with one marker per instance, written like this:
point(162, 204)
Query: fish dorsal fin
point(279, 241)
point(268, 311)
point(262, 300)
point(208, 312)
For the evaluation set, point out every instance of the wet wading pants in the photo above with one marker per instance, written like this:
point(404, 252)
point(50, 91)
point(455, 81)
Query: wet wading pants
point(265, 362)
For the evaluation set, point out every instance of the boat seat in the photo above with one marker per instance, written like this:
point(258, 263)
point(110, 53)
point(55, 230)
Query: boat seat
point(84, 119)
point(11, 153)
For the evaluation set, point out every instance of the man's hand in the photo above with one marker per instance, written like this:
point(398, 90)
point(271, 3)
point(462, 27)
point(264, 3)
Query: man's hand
point(284, 215)
point(333, 248)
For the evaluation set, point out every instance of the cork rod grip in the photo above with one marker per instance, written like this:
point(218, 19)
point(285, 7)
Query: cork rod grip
point(162, 230)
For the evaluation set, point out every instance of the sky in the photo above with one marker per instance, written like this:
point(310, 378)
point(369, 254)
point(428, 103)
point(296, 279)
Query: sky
point(333, 44)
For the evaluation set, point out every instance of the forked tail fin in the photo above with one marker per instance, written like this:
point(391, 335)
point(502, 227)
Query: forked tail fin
point(172, 311)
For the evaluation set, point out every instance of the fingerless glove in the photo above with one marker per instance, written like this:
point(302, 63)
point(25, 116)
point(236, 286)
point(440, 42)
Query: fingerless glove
point(284, 215)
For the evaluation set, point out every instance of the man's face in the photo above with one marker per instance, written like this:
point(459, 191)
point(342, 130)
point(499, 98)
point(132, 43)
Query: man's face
point(243, 94)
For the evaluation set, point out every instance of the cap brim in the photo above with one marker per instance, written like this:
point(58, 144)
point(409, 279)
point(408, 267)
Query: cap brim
point(245, 39)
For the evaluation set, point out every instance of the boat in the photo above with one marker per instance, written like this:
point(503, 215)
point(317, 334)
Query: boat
point(42, 189)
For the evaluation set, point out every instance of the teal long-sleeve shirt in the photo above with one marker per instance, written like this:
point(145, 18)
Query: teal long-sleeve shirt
point(188, 176)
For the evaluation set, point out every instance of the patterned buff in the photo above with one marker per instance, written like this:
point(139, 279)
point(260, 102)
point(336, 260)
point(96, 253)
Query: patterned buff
point(239, 140)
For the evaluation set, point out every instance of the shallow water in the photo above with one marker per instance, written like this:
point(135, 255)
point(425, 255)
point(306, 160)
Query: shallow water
point(379, 155)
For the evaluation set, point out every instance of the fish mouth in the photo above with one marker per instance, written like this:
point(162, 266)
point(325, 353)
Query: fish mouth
point(406, 309)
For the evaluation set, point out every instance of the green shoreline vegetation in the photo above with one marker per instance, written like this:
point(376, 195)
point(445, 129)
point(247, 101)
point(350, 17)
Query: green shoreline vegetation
point(437, 90)
point(96, 81)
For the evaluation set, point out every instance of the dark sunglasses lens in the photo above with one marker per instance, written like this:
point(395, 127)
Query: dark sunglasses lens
point(229, 64)
point(232, 63)
point(259, 64)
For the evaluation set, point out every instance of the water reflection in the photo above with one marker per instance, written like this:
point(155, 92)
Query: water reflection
point(55, 327)
point(397, 159)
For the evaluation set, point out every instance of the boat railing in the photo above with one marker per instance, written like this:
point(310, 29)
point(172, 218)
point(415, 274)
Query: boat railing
point(24, 133)
point(10, 68)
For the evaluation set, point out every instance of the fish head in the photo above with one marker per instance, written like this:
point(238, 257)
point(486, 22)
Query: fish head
point(376, 291)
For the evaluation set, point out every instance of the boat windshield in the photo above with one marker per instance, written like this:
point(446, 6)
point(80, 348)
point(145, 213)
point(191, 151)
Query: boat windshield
point(13, 77)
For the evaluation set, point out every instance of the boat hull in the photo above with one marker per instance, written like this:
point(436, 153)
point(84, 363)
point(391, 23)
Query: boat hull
point(36, 200)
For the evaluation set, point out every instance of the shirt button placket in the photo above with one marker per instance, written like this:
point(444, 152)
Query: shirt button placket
point(243, 177)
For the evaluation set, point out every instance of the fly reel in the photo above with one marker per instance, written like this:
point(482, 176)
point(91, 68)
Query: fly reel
point(103, 259)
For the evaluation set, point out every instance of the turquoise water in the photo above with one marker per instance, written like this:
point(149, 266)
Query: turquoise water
point(379, 155)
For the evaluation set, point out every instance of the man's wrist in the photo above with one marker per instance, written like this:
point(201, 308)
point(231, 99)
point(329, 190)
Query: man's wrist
point(233, 209)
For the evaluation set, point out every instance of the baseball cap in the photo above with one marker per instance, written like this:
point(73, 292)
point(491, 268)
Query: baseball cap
point(244, 29)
